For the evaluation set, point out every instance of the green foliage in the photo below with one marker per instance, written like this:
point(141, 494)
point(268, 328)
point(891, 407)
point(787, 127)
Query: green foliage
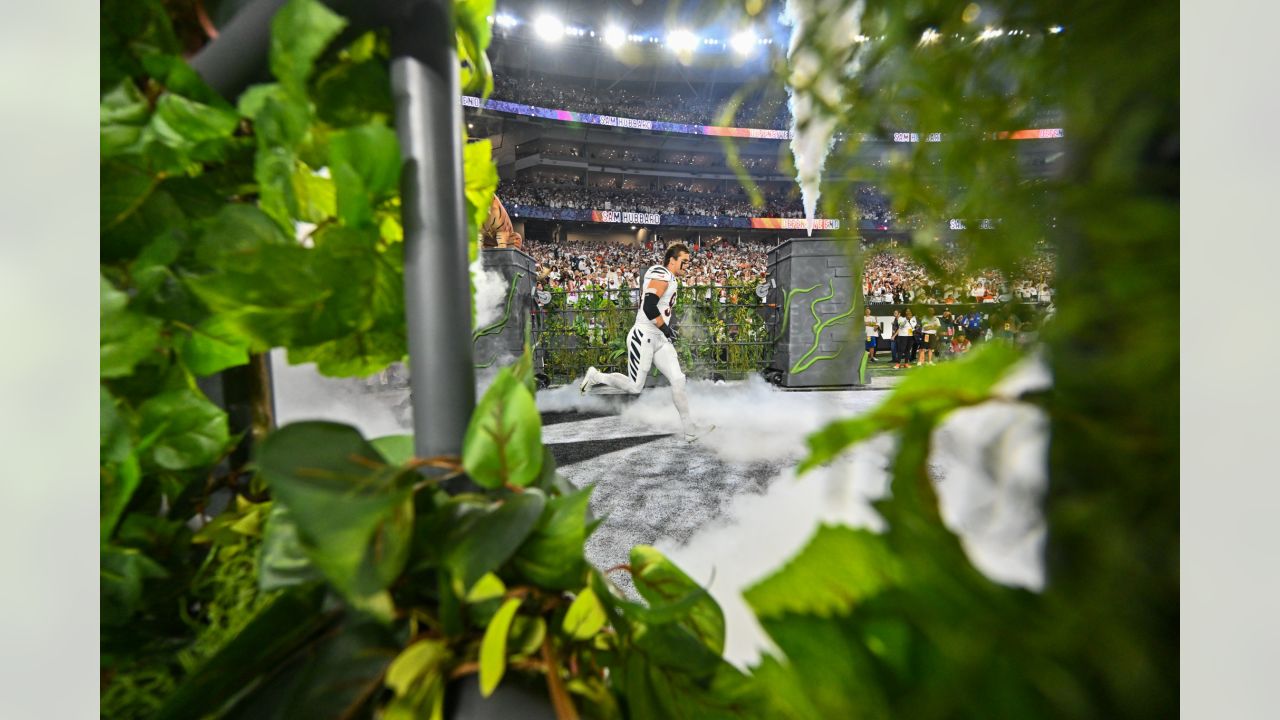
point(354, 514)
point(928, 393)
point(365, 587)
point(503, 444)
point(493, 648)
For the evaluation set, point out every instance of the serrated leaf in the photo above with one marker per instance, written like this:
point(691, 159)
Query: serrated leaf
point(317, 196)
point(124, 104)
point(181, 123)
point(837, 569)
point(300, 31)
point(493, 647)
point(126, 337)
point(585, 616)
point(190, 431)
point(353, 512)
point(480, 180)
point(373, 152)
point(354, 93)
point(125, 187)
point(503, 444)
point(213, 346)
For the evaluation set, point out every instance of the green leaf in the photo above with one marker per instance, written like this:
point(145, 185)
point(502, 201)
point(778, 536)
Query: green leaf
point(235, 234)
point(131, 228)
point(283, 561)
point(280, 630)
point(300, 31)
point(527, 634)
point(486, 588)
point(663, 584)
point(479, 540)
point(354, 93)
point(396, 449)
point(552, 556)
point(190, 431)
point(422, 662)
point(346, 672)
point(123, 113)
point(493, 647)
point(473, 35)
point(182, 124)
point(930, 391)
point(125, 187)
point(373, 152)
point(503, 444)
point(480, 180)
point(354, 513)
point(127, 338)
point(317, 196)
point(123, 572)
point(585, 617)
point(837, 569)
point(279, 119)
point(214, 345)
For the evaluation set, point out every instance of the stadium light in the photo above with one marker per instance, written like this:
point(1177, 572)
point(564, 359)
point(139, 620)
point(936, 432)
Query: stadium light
point(548, 28)
point(744, 43)
point(614, 36)
point(990, 33)
point(504, 20)
point(1055, 29)
point(929, 36)
point(682, 41)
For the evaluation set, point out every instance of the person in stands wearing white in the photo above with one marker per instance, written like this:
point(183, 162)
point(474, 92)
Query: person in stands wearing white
point(929, 339)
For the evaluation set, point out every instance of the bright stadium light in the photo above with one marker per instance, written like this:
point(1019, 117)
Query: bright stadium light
point(682, 41)
point(504, 20)
point(614, 36)
point(1055, 29)
point(929, 36)
point(548, 28)
point(744, 43)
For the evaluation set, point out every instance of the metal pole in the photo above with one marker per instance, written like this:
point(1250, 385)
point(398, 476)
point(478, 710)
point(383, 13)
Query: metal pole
point(424, 82)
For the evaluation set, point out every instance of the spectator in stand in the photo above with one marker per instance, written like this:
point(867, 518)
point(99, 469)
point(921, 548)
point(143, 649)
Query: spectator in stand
point(873, 332)
point(928, 339)
point(897, 339)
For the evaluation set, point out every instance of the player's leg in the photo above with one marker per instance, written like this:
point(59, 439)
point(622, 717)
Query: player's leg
point(668, 363)
point(640, 351)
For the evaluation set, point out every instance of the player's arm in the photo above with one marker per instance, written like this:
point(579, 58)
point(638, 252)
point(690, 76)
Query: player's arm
point(653, 290)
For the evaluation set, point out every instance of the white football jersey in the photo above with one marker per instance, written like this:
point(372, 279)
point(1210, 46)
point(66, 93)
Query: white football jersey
point(666, 301)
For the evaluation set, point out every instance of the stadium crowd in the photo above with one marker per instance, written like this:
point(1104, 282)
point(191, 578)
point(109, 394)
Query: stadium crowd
point(681, 107)
point(889, 277)
point(675, 198)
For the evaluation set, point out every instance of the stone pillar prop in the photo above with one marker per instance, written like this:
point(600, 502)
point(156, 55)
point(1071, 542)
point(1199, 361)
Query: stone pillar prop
point(502, 341)
point(812, 278)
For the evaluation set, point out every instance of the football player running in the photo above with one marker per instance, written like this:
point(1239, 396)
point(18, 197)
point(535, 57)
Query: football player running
point(651, 339)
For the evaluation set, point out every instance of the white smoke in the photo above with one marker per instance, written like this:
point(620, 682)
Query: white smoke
point(822, 54)
point(991, 463)
point(489, 289)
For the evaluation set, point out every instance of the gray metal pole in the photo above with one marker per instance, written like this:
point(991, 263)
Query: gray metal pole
point(424, 82)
